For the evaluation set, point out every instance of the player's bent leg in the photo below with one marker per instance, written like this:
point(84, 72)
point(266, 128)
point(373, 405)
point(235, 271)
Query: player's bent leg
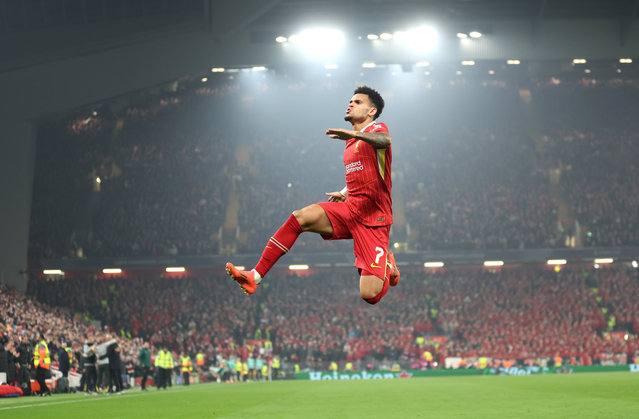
point(371, 288)
point(313, 218)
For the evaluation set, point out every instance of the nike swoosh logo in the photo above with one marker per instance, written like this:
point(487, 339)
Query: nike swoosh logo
point(374, 266)
point(243, 276)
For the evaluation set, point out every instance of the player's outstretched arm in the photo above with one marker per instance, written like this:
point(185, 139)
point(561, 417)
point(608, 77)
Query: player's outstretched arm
point(377, 139)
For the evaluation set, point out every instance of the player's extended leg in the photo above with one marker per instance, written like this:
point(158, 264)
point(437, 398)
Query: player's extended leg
point(311, 218)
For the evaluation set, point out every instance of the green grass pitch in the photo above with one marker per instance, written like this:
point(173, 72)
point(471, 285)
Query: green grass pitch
point(601, 395)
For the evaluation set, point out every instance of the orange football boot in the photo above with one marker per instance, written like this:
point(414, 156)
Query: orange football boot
point(393, 278)
point(246, 279)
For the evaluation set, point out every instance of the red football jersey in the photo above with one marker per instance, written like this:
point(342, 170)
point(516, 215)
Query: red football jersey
point(368, 179)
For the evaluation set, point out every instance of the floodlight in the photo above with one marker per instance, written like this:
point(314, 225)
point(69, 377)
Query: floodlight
point(475, 34)
point(635, 264)
point(461, 35)
point(491, 72)
point(318, 42)
point(419, 39)
point(494, 263)
point(204, 80)
point(53, 272)
point(298, 267)
point(372, 36)
point(368, 65)
point(513, 62)
point(111, 271)
point(625, 60)
point(579, 61)
point(556, 261)
point(281, 39)
point(602, 261)
point(468, 62)
point(258, 68)
point(422, 64)
point(217, 70)
point(386, 36)
point(433, 264)
point(175, 269)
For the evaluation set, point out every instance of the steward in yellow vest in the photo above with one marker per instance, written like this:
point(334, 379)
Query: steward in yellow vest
point(42, 362)
point(186, 368)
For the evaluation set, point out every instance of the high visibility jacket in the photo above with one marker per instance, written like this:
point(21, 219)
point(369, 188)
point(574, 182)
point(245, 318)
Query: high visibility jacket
point(245, 368)
point(333, 366)
point(238, 365)
point(558, 361)
point(276, 363)
point(168, 360)
point(199, 359)
point(70, 353)
point(482, 363)
point(297, 368)
point(428, 357)
point(264, 370)
point(41, 357)
point(159, 359)
point(348, 366)
point(186, 364)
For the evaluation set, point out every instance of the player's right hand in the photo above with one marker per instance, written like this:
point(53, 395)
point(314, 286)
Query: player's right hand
point(335, 197)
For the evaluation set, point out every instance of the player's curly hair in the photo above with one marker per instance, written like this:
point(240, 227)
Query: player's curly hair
point(374, 96)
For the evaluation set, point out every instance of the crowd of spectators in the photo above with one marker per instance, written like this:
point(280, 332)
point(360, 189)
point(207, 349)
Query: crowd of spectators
point(591, 136)
point(318, 318)
point(468, 168)
point(23, 319)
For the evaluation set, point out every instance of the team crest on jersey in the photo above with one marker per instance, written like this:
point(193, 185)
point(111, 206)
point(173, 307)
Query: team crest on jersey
point(357, 146)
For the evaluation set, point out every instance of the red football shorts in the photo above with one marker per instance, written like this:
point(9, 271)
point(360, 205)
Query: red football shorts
point(370, 244)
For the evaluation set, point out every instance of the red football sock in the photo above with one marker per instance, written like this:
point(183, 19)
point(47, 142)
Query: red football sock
point(278, 245)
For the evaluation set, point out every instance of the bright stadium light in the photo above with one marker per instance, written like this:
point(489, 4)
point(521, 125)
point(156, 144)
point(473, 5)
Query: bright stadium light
point(459, 72)
point(258, 68)
point(281, 39)
point(175, 269)
point(433, 264)
point(111, 271)
point(204, 80)
point(422, 64)
point(298, 267)
point(462, 35)
point(419, 39)
point(318, 42)
point(635, 264)
point(386, 36)
point(579, 61)
point(491, 72)
point(217, 70)
point(494, 263)
point(372, 36)
point(556, 261)
point(53, 272)
point(513, 62)
point(331, 66)
point(475, 34)
point(602, 261)
point(468, 62)
point(368, 64)
point(625, 60)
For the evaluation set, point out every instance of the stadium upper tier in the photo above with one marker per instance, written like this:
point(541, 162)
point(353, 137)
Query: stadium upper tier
point(477, 165)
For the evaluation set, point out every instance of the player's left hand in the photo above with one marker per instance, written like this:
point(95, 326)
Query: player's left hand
point(341, 134)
